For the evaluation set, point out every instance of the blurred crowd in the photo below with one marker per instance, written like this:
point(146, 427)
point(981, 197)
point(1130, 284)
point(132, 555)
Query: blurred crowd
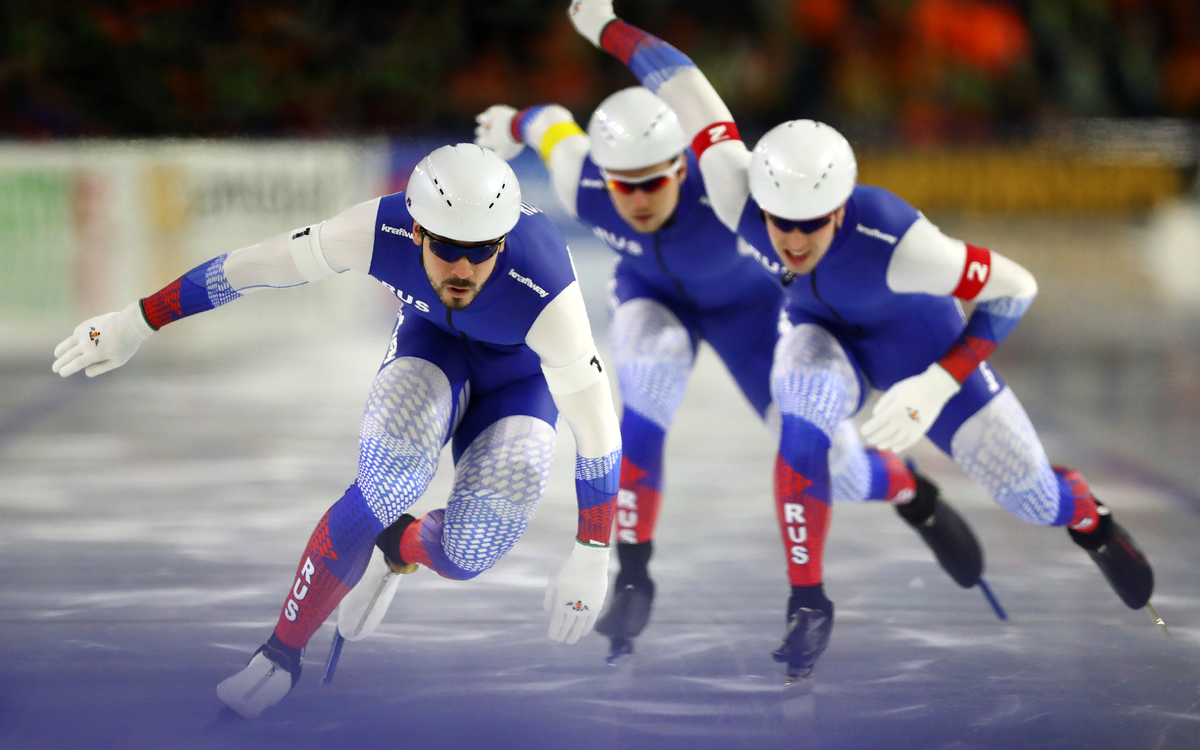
point(916, 71)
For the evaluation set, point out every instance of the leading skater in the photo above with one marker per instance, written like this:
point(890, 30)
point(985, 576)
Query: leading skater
point(872, 293)
point(491, 342)
point(683, 278)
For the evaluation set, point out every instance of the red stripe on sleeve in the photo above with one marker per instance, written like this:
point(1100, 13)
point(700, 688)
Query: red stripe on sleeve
point(162, 307)
point(965, 356)
point(976, 271)
point(718, 132)
point(514, 127)
point(621, 40)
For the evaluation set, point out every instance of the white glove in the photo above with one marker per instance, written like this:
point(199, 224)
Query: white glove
point(590, 17)
point(909, 409)
point(575, 596)
point(102, 343)
point(494, 131)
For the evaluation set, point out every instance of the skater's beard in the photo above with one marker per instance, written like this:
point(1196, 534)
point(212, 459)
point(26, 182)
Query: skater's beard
point(464, 292)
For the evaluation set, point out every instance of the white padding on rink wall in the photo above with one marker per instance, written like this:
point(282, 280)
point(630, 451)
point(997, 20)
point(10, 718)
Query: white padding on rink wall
point(96, 225)
point(1173, 251)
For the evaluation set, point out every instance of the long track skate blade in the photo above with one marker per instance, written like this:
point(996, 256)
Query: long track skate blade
point(1157, 620)
point(620, 648)
point(992, 600)
point(226, 716)
point(335, 651)
point(796, 674)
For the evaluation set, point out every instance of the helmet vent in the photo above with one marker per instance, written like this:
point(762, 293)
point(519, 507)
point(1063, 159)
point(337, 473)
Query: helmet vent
point(654, 123)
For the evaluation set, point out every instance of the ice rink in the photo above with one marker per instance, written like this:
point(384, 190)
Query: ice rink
point(152, 520)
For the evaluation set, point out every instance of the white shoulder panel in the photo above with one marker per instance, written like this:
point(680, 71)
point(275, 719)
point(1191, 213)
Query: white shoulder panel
point(925, 260)
point(346, 241)
point(725, 168)
point(561, 333)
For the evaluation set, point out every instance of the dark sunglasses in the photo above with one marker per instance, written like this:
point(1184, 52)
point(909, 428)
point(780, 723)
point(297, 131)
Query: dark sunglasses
point(808, 226)
point(451, 251)
point(651, 183)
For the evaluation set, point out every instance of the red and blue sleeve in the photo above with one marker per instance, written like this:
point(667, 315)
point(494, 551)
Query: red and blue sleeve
point(988, 325)
point(651, 59)
point(200, 289)
point(597, 481)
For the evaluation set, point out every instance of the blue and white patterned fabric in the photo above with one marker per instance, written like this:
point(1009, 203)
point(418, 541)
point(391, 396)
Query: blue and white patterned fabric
point(215, 283)
point(405, 425)
point(849, 468)
point(998, 448)
point(653, 354)
point(498, 483)
point(813, 379)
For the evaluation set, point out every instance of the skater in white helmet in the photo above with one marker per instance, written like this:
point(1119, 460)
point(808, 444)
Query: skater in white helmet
point(872, 290)
point(492, 342)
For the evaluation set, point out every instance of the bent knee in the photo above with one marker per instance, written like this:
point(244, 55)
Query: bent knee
point(815, 396)
point(392, 473)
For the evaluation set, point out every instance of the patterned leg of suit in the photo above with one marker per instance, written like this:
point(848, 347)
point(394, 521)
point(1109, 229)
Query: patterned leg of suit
point(998, 448)
point(405, 425)
point(860, 475)
point(498, 482)
point(815, 388)
point(653, 352)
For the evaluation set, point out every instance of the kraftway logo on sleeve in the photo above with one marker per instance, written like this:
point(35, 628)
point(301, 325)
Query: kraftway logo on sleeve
point(396, 230)
point(527, 282)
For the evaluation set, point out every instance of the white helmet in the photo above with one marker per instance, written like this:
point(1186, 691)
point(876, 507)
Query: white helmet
point(802, 170)
point(464, 193)
point(633, 129)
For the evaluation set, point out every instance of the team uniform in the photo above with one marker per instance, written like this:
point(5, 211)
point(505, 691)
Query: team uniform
point(690, 280)
point(685, 283)
point(879, 310)
point(490, 378)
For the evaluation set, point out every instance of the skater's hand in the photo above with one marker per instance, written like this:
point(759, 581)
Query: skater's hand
point(590, 17)
point(575, 596)
point(909, 409)
point(102, 343)
point(494, 131)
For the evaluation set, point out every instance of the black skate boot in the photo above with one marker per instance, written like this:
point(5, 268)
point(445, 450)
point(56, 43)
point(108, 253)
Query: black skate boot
point(809, 624)
point(945, 531)
point(1112, 549)
point(629, 608)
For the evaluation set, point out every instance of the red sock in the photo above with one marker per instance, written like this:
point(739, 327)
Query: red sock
point(1085, 518)
point(901, 485)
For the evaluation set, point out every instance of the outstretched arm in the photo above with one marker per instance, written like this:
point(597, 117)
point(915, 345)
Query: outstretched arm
point(927, 261)
point(304, 255)
point(675, 78)
point(550, 130)
point(575, 374)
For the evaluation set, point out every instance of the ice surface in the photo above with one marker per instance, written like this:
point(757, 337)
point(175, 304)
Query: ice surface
point(150, 523)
